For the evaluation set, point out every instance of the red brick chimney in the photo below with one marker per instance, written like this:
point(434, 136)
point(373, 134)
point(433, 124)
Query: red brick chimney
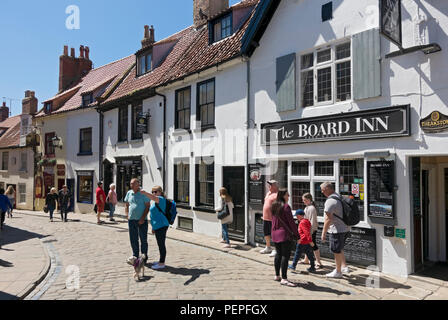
point(29, 104)
point(4, 112)
point(72, 69)
point(204, 9)
point(149, 37)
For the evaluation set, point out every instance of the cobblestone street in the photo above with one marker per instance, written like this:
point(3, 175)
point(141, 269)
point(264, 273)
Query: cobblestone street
point(193, 272)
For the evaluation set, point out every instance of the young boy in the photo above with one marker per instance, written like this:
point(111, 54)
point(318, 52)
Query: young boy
point(305, 244)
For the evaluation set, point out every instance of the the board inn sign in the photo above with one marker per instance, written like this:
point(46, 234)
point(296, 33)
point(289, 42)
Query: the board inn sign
point(376, 123)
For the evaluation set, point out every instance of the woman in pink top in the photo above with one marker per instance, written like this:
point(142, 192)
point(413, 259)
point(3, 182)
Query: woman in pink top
point(112, 200)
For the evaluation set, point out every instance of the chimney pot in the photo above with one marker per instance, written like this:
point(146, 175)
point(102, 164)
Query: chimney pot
point(29, 104)
point(86, 52)
point(65, 50)
point(146, 33)
point(151, 34)
point(72, 52)
point(81, 52)
point(204, 9)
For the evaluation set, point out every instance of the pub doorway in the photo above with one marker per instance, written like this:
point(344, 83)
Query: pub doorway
point(233, 181)
point(430, 199)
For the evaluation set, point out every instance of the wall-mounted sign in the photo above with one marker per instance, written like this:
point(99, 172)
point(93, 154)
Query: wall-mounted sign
point(400, 233)
point(259, 233)
point(143, 123)
point(391, 20)
point(381, 180)
point(435, 122)
point(256, 183)
point(376, 123)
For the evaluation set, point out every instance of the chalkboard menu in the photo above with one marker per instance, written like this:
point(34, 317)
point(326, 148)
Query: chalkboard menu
point(381, 181)
point(360, 246)
point(256, 184)
point(391, 20)
point(259, 231)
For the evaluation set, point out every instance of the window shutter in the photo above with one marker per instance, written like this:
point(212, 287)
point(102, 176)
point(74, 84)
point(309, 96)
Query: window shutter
point(366, 64)
point(286, 83)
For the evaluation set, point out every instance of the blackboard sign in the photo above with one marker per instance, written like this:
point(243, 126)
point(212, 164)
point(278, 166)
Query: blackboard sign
point(360, 246)
point(256, 184)
point(381, 181)
point(391, 20)
point(259, 231)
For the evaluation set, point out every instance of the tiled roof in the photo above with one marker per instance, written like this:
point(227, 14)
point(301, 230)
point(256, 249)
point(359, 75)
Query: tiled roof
point(11, 137)
point(93, 80)
point(191, 54)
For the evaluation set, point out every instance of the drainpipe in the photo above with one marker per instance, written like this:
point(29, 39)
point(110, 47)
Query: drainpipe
point(246, 170)
point(101, 141)
point(164, 142)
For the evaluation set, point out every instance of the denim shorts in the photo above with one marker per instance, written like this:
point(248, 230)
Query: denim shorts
point(337, 242)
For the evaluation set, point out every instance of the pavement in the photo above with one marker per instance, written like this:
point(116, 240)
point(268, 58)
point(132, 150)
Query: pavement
point(80, 260)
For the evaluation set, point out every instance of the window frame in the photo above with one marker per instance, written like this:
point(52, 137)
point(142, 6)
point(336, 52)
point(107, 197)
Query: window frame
point(49, 145)
point(7, 160)
point(177, 111)
point(123, 127)
point(48, 107)
point(219, 21)
point(23, 164)
point(81, 152)
point(135, 135)
point(20, 194)
point(91, 175)
point(198, 204)
point(84, 100)
point(186, 163)
point(199, 106)
point(332, 63)
point(148, 62)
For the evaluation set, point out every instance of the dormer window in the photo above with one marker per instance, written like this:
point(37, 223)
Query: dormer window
point(144, 63)
point(48, 107)
point(221, 28)
point(87, 99)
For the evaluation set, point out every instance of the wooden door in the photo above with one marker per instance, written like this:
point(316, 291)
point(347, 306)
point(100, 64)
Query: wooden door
point(234, 182)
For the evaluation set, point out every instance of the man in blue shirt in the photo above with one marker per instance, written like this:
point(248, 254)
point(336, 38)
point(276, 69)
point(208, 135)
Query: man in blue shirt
point(4, 205)
point(137, 208)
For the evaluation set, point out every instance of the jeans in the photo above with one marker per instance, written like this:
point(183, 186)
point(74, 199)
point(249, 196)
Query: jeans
point(64, 211)
point(111, 210)
point(161, 238)
point(225, 233)
point(282, 258)
point(137, 231)
point(51, 210)
point(303, 248)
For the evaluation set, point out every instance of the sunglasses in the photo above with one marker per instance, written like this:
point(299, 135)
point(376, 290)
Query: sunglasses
point(154, 192)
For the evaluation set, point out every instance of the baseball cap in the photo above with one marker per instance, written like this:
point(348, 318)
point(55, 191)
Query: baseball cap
point(271, 182)
point(299, 212)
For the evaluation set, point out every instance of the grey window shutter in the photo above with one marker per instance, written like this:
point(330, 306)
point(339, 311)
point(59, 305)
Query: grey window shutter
point(286, 83)
point(366, 64)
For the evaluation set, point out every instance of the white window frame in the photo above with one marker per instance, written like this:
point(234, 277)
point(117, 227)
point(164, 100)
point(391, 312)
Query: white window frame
point(21, 193)
point(23, 155)
point(319, 66)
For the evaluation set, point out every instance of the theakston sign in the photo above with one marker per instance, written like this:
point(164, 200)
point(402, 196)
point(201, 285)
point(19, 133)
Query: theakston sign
point(376, 123)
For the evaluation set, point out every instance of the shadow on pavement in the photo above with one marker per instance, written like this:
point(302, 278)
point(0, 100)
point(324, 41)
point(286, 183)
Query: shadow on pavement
point(362, 279)
point(313, 287)
point(437, 270)
point(13, 235)
point(6, 264)
point(7, 296)
point(194, 273)
point(242, 247)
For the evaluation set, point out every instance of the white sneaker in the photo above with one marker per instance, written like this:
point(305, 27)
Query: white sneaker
point(158, 266)
point(273, 253)
point(345, 270)
point(266, 250)
point(334, 274)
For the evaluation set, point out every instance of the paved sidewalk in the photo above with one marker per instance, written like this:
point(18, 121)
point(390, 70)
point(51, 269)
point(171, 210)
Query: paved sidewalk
point(387, 287)
point(23, 261)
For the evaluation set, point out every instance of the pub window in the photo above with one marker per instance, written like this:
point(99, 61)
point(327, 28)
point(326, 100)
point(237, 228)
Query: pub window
point(319, 198)
point(127, 169)
point(22, 193)
point(123, 124)
point(205, 184)
point(300, 168)
point(85, 187)
point(136, 110)
point(324, 71)
point(85, 141)
point(49, 148)
point(351, 181)
point(206, 103)
point(5, 160)
point(183, 105)
point(298, 190)
point(324, 168)
point(182, 183)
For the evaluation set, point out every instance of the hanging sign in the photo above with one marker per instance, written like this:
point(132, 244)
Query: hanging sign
point(391, 20)
point(435, 122)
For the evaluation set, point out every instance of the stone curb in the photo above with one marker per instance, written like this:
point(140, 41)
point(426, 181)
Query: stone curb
point(44, 272)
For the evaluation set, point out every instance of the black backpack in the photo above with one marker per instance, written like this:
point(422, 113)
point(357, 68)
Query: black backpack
point(350, 210)
point(171, 211)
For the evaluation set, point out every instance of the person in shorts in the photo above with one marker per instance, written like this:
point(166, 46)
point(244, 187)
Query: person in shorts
point(271, 196)
point(336, 227)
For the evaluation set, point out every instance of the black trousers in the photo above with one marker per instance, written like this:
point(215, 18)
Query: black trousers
point(3, 217)
point(161, 238)
point(282, 258)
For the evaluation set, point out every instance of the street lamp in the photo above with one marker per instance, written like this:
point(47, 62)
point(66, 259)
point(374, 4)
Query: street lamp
point(57, 142)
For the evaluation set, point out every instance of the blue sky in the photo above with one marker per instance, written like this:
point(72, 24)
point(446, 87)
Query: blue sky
point(33, 34)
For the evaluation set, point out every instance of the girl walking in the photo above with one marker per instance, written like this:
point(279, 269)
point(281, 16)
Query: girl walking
point(11, 194)
point(284, 232)
point(51, 200)
point(226, 200)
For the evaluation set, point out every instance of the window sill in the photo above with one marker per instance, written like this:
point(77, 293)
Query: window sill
point(85, 154)
point(122, 143)
point(180, 132)
point(204, 128)
point(183, 206)
point(134, 141)
point(204, 209)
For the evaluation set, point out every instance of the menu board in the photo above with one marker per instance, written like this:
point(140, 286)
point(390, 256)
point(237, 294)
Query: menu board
point(259, 231)
point(256, 184)
point(360, 246)
point(381, 180)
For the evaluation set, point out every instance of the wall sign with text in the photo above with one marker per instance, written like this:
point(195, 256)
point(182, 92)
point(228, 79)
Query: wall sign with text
point(381, 184)
point(376, 123)
point(435, 122)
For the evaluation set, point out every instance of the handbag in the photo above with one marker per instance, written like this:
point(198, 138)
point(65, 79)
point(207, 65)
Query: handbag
point(45, 208)
point(224, 213)
point(292, 235)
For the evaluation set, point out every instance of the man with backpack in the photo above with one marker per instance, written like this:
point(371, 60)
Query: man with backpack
point(334, 224)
